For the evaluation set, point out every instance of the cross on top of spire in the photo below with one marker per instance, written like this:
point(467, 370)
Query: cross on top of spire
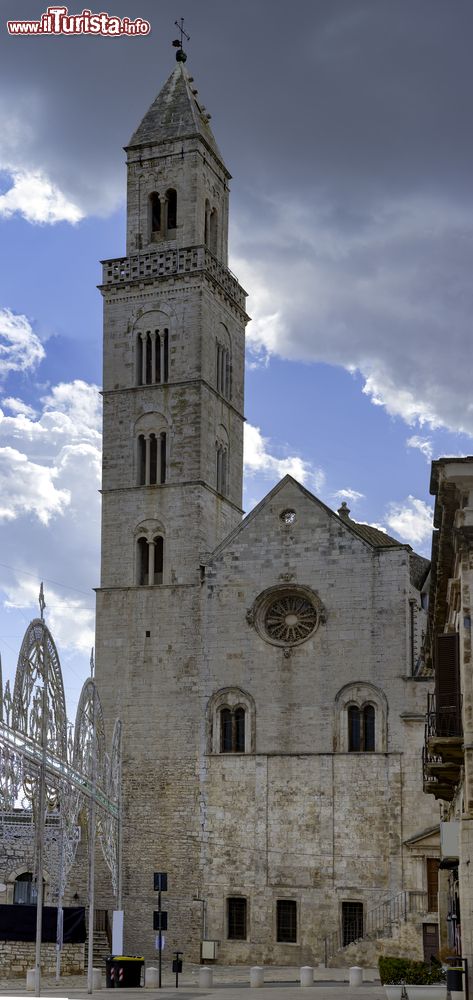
point(180, 54)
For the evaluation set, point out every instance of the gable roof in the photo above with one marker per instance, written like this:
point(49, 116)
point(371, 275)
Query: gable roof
point(176, 114)
point(372, 536)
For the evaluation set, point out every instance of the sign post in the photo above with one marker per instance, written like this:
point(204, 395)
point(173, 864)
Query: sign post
point(160, 917)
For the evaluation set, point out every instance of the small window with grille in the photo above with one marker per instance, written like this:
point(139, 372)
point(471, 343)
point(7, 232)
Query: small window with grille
point(236, 916)
point(286, 919)
point(352, 922)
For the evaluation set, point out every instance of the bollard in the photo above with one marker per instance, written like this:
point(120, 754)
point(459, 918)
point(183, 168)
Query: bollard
point(151, 978)
point(356, 975)
point(307, 975)
point(96, 979)
point(205, 977)
point(256, 976)
point(30, 979)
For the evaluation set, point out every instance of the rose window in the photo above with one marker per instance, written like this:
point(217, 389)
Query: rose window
point(290, 618)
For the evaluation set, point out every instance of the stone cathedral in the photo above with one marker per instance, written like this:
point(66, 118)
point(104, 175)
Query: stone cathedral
point(264, 667)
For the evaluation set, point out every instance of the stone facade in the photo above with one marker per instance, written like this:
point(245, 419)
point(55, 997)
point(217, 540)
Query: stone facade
point(448, 756)
point(296, 620)
point(16, 957)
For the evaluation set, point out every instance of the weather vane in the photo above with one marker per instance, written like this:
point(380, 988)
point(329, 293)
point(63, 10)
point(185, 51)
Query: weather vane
point(41, 601)
point(180, 54)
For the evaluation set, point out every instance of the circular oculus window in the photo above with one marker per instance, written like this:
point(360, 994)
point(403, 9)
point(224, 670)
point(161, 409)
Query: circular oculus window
point(290, 619)
point(288, 517)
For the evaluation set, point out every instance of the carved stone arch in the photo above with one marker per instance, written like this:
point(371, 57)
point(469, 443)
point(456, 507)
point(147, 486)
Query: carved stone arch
point(221, 436)
point(151, 421)
point(223, 336)
point(232, 698)
point(149, 527)
point(360, 693)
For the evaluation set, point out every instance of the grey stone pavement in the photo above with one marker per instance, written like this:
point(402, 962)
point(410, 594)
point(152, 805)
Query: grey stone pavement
point(230, 983)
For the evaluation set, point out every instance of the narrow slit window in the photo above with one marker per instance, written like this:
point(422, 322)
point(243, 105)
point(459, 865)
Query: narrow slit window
point(162, 446)
point(354, 728)
point(171, 196)
point(158, 559)
point(142, 556)
point(155, 204)
point(141, 460)
point(153, 459)
point(239, 729)
point(226, 730)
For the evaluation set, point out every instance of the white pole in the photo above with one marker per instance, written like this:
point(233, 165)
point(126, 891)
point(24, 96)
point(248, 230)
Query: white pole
point(90, 956)
point(41, 808)
point(60, 911)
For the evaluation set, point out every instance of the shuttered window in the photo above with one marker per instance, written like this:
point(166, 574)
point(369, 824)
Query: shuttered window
point(447, 685)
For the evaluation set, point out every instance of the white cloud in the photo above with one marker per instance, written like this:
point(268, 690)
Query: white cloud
point(37, 199)
point(49, 482)
point(18, 406)
point(348, 494)
point(20, 348)
point(388, 297)
point(28, 488)
point(424, 445)
point(410, 520)
point(257, 458)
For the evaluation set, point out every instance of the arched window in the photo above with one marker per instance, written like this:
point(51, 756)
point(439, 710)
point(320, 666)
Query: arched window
point(231, 722)
point(222, 456)
point(24, 891)
point(207, 223)
point(151, 460)
point(171, 196)
point(150, 561)
point(361, 728)
point(232, 730)
point(223, 370)
point(155, 212)
point(361, 713)
point(213, 231)
point(152, 357)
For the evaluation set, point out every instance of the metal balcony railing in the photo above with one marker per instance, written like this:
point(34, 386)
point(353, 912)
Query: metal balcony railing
point(445, 719)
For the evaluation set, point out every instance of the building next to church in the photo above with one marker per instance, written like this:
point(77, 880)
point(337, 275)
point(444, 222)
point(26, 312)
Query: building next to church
point(264, 669)
point(448, 752)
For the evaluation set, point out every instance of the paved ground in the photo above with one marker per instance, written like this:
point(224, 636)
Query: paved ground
point(230, 983)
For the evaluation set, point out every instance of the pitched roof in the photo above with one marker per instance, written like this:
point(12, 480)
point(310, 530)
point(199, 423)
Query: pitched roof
point(175, 114)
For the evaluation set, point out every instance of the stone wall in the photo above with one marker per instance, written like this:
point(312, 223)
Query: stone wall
point(16, 957)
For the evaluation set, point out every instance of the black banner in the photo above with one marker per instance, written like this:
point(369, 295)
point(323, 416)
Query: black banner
point(18, 923)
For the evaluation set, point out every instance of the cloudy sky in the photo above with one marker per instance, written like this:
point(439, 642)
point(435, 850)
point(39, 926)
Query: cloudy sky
point(347, 127)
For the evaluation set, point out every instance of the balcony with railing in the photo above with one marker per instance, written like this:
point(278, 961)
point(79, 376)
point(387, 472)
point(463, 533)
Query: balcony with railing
point(442, 755)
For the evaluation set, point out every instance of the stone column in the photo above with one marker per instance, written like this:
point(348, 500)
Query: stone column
point(153, 356)
point(164, 216)
point(147, 460)
point(151, 549)
point(144, 338)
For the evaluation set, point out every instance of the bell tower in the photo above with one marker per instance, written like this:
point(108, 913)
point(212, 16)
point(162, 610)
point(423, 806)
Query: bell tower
point(173, 368)
point(174, 319)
